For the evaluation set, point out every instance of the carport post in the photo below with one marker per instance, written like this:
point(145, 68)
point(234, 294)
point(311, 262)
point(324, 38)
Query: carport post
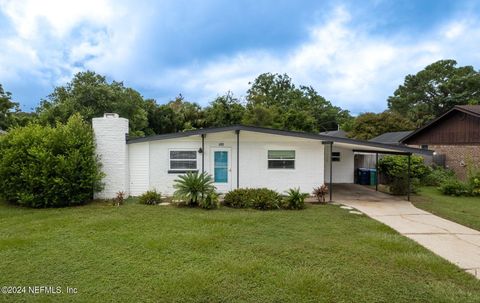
point(330, 186)
point(238, 157)
point(376, 171)
point(408, 178)
point(203, 153)
point(330, 189)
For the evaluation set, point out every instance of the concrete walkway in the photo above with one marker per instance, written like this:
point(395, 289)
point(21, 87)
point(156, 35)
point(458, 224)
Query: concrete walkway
point(454, 242)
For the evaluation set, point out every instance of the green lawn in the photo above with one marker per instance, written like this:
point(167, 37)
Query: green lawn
point(463, 210)
point(166, 254)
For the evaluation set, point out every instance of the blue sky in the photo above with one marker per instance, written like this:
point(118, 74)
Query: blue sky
point(354, 53)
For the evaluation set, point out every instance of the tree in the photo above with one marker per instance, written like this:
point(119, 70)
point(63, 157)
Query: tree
point(224, 111)
point(91, 95)
point(177, 115)
point(7, 108)
point(434, 90)
point(274, 101)
point(369, 125)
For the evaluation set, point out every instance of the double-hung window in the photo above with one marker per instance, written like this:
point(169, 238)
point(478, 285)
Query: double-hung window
point(281, 159)
point(183, 160)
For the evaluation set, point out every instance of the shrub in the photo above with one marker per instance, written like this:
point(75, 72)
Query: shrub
point(192, 187)
point(474, 180)
point(320, 192)
point(437, 176)
point(295, 199)
point(119, 198)
point(238, 198)
point(210, 201)
point(264, 198)
point(395, 166)
point(151, 197)
point(399, 185)
point(43, 166)
point(454, 188)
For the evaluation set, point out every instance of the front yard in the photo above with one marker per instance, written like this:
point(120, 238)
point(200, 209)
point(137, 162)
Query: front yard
point(164, 254)
point(463, 210)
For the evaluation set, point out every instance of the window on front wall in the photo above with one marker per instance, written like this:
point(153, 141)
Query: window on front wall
point(183, 160)
point(281, 159)
point(335, 156)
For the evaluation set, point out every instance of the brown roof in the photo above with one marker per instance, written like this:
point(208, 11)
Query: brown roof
point(471, 108)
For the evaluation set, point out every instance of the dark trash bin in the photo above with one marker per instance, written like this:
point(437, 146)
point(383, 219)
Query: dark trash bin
point(363, 176)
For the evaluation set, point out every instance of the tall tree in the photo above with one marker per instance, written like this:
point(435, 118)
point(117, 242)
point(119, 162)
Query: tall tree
point(7, 108)
point(91, 95)
point(369, 125)
point(274, 101)
point(223, 111)
point(177, 115)
point(434, 90)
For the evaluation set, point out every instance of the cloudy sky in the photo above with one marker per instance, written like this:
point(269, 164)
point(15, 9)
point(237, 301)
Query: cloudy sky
point(354, 53)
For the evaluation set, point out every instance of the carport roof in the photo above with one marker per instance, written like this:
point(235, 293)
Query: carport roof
point(346, 142)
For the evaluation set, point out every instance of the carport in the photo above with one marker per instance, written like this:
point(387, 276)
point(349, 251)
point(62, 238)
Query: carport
point(356, 146)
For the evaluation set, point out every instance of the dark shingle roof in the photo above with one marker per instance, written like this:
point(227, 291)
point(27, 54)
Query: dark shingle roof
point(391, 137)
point(335, 133)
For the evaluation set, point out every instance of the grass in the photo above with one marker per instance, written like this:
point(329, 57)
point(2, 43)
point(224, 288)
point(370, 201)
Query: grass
point(165, 254)
point(463, 210)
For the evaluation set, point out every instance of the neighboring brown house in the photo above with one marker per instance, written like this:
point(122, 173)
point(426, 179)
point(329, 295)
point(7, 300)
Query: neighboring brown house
point(454, 135)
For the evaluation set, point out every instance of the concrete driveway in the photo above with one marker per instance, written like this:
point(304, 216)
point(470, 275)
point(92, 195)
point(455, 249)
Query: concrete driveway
point(454, 242)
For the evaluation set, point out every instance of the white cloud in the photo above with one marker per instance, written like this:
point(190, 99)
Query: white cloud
point(341, 59)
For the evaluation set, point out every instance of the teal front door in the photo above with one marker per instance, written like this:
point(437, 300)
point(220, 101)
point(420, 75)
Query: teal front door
point(221, 168)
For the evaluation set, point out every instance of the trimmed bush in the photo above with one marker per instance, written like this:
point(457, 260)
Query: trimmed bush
point(395, 169)
point(399, 185)
point(239, 198)
point(437, 176)
point(151, 197)
point(474, 181)
point(43, 166)
point(264, 199)
point(210, 201)
point(295, 199)
point(454, 188)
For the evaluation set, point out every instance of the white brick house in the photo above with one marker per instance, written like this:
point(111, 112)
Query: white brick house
point(235, 156)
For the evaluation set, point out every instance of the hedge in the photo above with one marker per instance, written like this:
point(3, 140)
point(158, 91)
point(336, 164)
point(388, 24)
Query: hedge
point(43, 166)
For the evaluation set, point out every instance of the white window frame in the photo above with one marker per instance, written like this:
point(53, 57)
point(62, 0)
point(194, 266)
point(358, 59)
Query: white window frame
point(282, 168)
point(170, 169)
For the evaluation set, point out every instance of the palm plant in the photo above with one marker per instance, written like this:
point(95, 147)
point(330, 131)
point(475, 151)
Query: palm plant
point(192, 187)
point(295, 199)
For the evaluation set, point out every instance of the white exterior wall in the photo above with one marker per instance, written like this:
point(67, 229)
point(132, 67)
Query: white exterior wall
point(254, 171)
point(139, 162)
point(343, 170)
point(110, 138)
